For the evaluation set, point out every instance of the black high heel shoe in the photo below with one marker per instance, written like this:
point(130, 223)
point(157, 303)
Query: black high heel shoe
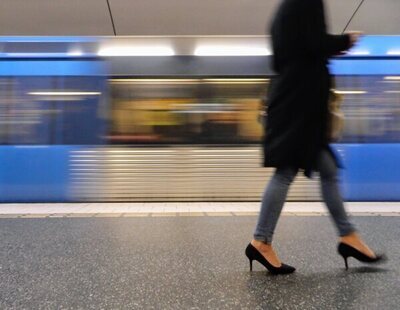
point(253, 254)
point(347, 251)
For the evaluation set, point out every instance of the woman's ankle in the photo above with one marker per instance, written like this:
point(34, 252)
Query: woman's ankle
point(350, 237)
point(267, 251)
point(261, 244)
point(354, 240)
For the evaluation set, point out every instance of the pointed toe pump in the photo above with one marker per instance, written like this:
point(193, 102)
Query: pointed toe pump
point(253, 254)
point(347, 251)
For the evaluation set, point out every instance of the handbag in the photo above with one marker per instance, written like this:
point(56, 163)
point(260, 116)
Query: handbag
point(335, 116)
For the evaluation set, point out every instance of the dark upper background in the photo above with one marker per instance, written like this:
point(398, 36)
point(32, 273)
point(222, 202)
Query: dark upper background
point(179, 17)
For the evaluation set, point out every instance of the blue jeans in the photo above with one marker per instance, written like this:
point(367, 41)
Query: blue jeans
point(275, 195)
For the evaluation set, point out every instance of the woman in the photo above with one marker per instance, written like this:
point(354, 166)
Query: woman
point(296, 132)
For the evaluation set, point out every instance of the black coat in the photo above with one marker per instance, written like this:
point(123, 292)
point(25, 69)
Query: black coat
point(297, 101)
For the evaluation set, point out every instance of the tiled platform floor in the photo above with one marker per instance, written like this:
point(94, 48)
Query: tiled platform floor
point(188, 263)
point(184, 209)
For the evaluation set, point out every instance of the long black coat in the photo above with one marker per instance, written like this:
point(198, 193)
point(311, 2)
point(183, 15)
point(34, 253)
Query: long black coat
point(298, 96)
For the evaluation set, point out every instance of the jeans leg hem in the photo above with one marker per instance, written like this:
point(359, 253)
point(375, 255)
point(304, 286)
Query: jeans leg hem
point(347, 232)
point(263, 239)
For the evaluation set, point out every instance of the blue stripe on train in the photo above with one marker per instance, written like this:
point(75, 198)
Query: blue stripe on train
point(372, 171)
point(42, 173)
point(34, 173)
point(14, 67)
point(365, 67)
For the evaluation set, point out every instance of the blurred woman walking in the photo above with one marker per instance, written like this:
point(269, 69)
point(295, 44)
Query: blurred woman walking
point(296, 133)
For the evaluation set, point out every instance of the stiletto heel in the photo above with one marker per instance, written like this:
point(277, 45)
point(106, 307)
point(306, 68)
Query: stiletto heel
point(345, 262)
point(253, 254)
point(347, 251)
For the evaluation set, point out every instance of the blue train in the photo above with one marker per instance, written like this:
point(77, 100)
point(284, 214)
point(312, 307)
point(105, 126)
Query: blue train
point(81, 126)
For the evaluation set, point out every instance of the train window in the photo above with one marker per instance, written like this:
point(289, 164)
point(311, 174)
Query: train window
point(51, 110)
point(186, 110)
point(225, 111)
point(73, 110)
point(371, 107)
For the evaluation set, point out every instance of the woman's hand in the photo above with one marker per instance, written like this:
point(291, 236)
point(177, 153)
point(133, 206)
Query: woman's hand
point(354, 37)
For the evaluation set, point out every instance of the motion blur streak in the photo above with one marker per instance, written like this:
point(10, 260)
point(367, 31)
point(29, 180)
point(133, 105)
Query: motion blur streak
point(86, 128)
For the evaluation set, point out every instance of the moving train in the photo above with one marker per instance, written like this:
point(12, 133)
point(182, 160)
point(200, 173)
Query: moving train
point(79, 125)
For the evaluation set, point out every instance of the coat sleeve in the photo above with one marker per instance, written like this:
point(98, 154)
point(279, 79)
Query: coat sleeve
point(317, 41)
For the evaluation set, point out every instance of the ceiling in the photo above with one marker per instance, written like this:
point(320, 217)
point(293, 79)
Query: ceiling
point(180, 17)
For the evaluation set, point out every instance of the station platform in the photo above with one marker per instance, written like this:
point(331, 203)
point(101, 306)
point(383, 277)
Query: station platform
point(189, 256)
point(28, 210)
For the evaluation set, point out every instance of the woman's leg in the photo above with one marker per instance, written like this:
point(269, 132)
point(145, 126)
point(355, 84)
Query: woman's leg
point(272, 202)
point(331, 193)
point(334, 202)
